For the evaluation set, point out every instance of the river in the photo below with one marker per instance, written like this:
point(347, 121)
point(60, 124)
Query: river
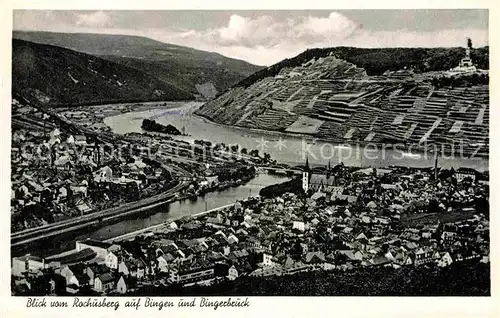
point(290, 150)
point(187, 207)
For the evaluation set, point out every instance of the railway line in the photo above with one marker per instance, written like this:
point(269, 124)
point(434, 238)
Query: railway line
point(93, 218)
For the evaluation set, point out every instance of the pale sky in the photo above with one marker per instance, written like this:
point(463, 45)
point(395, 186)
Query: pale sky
point(266, 37)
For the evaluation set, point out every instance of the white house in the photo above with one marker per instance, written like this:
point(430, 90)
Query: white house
point(445, 260)
point(111, 260)
point(123, 268)
point(232, 239)
point(366, 219)
point(105, 174)
point(485, 259)
point(336, 191)
point(67, 273)
point(347, 230)
point(55, 133)
point(267, 260)
point(371, 205)
point(382, 220)
point(121, 285)
point(27, 263)
point(407, 261)
point(232, 273)
point(173, 226)
point(426, 235)
point(422, 256)
point(104, 282)
point(80, 140)
point(164, 261)
point(300, 226)
point(361, 236)
point(389, 256)
point(79, 280)
point(101, 248)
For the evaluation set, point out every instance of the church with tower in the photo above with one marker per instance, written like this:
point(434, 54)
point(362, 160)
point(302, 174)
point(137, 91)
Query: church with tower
point(317, 180)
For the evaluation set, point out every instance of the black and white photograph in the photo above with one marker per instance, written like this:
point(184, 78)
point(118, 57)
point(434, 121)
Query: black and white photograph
point(240, 153)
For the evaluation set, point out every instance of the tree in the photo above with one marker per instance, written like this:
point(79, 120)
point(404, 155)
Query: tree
point(482, 206)
point(234, 148)
point(296, 251)
point(254, 153)
point(433, 206)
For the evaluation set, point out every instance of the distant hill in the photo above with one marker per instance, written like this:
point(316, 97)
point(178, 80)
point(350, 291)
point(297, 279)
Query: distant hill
point(377, 61)
point(59, 77)
point(189, 69)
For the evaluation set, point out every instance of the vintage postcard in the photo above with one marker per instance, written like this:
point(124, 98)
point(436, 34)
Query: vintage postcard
point(166, 158)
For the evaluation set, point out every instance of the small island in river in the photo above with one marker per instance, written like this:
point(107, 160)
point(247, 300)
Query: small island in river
point(153, 126)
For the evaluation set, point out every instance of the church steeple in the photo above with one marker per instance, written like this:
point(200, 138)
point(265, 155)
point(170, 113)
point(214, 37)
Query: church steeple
point(306, 176)
point(329, 170)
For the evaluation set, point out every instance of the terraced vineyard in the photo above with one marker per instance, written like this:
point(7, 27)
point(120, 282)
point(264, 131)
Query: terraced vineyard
point(333, 99)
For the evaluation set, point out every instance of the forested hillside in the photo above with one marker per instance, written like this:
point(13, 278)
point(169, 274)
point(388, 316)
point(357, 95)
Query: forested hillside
point(57, 76)
point(377, 61)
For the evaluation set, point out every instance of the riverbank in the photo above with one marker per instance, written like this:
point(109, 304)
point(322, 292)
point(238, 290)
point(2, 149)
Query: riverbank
point(410, 149)
point(93, 116)
point(143, 106)
point(113, 215)
point(405, 148)
point(290, 148)
point(163, 225)
point(132, 235)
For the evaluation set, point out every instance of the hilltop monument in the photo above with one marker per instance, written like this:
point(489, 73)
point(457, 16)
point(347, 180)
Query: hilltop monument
point(466, 65)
